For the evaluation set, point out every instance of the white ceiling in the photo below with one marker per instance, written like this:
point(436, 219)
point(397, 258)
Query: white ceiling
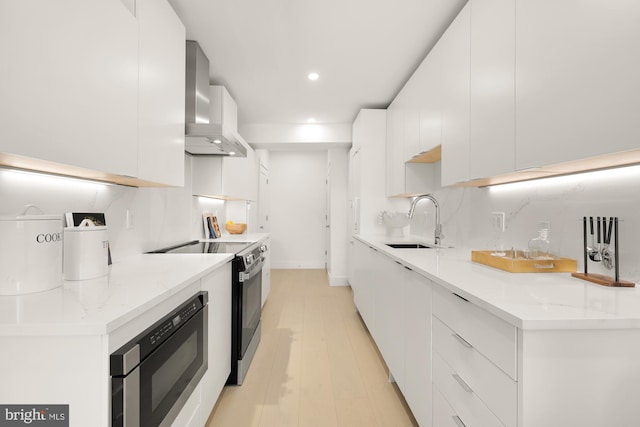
point(364, 51)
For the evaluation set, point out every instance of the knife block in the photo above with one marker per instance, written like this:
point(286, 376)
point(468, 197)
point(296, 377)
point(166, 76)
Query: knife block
point(601, 279)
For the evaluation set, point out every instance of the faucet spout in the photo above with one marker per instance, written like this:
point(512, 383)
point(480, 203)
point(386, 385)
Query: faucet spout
point(437, 234)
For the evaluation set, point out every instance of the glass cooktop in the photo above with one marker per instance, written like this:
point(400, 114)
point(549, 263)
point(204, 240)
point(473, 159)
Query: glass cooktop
point(197, 247)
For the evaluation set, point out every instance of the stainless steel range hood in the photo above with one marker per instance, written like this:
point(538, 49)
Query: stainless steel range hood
point(210, 112)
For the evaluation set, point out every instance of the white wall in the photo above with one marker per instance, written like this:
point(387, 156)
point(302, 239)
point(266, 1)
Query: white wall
point(298, 205)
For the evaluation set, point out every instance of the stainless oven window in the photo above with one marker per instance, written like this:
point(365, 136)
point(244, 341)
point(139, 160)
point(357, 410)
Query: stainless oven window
point(154, 374)
point(167, 375)
point(251, 309)
point(169, 371)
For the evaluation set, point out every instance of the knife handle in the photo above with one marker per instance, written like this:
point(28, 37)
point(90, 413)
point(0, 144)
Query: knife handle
point(591, 227)
point(598, 223)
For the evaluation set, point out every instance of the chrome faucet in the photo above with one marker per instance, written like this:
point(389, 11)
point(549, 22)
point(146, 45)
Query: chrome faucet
point(437, 234)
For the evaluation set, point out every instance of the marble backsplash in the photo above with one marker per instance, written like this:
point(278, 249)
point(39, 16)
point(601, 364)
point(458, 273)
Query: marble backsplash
point(563, 201)
point(158, 216)
point(162, 216)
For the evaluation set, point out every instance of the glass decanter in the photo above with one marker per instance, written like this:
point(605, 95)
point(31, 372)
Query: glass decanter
point(540, 247)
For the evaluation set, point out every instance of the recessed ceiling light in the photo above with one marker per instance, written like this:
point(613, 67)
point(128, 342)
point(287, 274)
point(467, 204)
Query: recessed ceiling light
point(313, 76)
point(217, 141)
point(311, 120)
point(232, 153)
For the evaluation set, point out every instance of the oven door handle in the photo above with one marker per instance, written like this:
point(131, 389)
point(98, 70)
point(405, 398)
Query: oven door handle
point(254, 270)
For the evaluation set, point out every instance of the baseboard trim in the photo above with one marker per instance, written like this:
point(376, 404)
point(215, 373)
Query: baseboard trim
point(337, 280)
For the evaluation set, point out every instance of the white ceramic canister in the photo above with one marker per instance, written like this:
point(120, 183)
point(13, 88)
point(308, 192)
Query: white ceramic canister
point(30, 253)
point(86, 251)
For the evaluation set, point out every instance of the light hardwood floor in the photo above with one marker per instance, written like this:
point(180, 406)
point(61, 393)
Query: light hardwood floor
point(316, 364)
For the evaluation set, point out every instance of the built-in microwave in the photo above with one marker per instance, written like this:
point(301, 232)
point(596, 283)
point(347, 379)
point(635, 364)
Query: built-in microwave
point(153, 375)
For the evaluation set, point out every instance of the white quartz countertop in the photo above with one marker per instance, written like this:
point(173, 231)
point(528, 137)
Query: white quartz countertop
point(248, 237)
point(526, 300)
point(99, 306)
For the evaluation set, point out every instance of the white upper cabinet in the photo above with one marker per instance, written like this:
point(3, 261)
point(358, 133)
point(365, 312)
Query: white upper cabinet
point(395, 150)
point(492, 99)
point(455, 50)
point(70, 83)
point(90, 85)
point(367, 183)
point(241, 175)
point(411, 131)
point(409, 101)
point(430, 101)
point(225, 177)
point(161, 94)
point(577, 84)
point(420, 101)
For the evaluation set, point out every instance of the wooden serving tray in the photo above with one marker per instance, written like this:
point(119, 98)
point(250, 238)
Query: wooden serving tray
point(524, 265)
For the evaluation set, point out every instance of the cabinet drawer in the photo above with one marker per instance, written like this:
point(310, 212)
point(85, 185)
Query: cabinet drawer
point(466, 404)
point(443, 413)
point(491, 336)
point(496, 389)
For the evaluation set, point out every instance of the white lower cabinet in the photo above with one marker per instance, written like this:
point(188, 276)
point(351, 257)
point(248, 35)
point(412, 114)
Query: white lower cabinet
point(443, 413)
point(459, 365)
point(191, 415)
point(363, 283)
point(467, 404)
point(416, 383)
point(389, 313)
point(218, 284)
point(266, 272)
point(395, 304)
point(474, 361)
point(491, 336)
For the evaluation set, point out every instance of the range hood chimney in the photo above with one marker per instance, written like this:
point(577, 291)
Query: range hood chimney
point(211, 123)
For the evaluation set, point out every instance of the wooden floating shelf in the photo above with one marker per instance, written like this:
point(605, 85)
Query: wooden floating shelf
point(431, 156)
point(524, 265)
point(606, 161)
point(603, 280)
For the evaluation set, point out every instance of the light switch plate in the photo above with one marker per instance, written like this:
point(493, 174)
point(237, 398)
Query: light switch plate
point(497, 219)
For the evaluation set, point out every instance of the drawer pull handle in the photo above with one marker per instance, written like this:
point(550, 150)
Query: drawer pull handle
point(462, 298)
point(542, 266)
point(462, 340)
point(462, 383)
point(458, 421)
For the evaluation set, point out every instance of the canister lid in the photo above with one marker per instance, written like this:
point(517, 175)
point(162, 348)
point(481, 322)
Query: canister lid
point(85, 229)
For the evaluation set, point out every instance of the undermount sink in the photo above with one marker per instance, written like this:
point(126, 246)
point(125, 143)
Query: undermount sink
point(409, 246)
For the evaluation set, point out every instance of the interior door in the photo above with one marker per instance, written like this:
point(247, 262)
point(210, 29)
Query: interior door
point(327, 216)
